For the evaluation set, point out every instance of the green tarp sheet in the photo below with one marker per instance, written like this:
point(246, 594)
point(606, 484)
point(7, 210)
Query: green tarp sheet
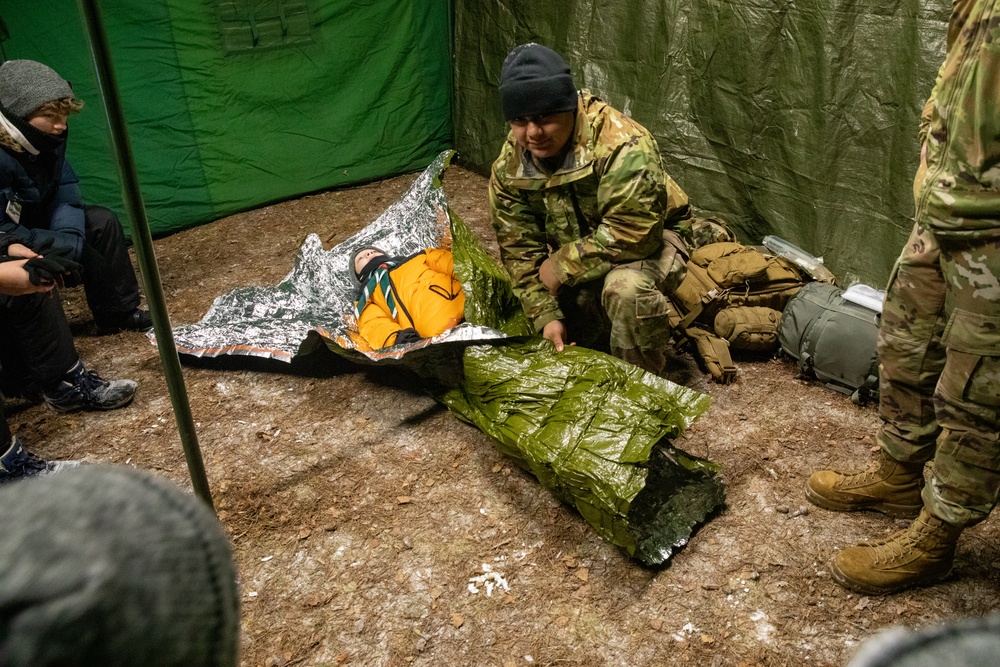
point(797, 119)
point(236, 103)
point(785, 118)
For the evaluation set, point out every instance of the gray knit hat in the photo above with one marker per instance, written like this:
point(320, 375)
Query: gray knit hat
point(25, 85)
point(535, 81)
point(354, 256)
point(105, 565)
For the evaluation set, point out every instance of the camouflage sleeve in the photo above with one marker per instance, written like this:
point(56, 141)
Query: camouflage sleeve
point(925, 119)
point(522, 249)
point(632, 196)
point(959, 191)
point(959, 10)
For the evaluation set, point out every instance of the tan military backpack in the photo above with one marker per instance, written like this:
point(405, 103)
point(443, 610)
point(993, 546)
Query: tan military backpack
point(731, 299)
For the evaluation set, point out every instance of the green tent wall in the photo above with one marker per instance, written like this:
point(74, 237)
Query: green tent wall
point(791, 118)
point(787, 118)
point(236, 103)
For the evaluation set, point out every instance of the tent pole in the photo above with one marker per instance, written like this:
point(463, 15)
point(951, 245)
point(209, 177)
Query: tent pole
point(143, 242)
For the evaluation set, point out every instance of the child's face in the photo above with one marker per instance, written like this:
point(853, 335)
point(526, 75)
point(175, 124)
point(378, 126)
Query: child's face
point(48, 121)
point(364, 257)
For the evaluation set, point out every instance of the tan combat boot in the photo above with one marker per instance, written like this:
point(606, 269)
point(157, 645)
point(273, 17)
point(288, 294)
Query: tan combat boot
point(920, 555)
point(886, 485)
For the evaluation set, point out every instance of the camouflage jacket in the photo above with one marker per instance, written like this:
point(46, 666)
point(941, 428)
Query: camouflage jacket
point(957, 188)
point(606, 204)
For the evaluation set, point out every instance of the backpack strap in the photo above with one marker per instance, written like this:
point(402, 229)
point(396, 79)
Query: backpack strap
point(866, 392)
point(714, 352)
point(706, 300)
point(805, 365)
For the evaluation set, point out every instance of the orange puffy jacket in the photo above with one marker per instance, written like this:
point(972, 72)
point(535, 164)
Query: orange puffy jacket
point(428, 298)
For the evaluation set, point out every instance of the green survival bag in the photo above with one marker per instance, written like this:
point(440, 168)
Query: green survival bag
point(833, 340)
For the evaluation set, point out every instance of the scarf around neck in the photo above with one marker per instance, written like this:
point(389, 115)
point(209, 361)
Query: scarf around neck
point(374, 277)
point(30, 138)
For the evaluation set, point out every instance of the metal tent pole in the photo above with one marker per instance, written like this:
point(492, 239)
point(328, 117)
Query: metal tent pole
point(143, 241)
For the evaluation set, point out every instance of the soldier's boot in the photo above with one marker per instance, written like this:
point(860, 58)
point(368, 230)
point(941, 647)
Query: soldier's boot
point(886, 485)
point(917, 556)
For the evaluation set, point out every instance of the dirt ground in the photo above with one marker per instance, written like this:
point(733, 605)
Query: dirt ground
point(359, 509)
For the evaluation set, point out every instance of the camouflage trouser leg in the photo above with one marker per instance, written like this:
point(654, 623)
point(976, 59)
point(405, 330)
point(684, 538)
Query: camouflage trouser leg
point(634, 299)
point(940, 360)
point(911, 356)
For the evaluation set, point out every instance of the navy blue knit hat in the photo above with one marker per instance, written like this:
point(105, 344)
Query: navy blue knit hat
point(535, 81)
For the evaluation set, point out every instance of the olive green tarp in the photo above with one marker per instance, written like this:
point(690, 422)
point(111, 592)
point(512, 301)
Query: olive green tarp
point(797, 119)
point(235, 103)
point(794, 119)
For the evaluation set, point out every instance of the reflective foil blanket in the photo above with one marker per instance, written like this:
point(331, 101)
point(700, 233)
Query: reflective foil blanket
point(593, 429)
point(317, 297)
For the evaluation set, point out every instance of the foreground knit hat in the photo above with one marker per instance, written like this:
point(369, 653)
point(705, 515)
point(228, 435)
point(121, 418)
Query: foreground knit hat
point(105, 565)
point(25, 85)
point(958, 642)
point(535, 81)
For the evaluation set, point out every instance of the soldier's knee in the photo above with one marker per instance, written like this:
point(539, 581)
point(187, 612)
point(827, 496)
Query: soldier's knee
point(622, 287)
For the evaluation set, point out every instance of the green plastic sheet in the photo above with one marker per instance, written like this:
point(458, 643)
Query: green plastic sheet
point(797, 119)
point(231, 104)
point(594, 430)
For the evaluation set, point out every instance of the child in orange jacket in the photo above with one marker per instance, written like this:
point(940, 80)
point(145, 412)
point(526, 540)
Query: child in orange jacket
point(404, 299)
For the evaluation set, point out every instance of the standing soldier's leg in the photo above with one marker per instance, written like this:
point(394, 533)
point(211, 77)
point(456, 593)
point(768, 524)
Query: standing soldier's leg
point(965, 477)
point(911, 356)
point(911, 359)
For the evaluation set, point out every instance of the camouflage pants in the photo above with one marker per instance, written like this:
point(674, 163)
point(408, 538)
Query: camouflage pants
point(626, 314)
point(939, 352)
point(633, 296)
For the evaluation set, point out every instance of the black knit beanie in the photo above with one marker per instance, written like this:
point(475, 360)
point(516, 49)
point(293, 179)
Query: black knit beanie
point(26, 85)
point(107, 565)
point(535, 81)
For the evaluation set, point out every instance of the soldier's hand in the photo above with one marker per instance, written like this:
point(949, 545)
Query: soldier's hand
point(547, 274)
point(555, 331)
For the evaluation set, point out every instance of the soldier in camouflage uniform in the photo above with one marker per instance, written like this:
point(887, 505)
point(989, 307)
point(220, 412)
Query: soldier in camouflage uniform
point(939, 343)
point(586, 217)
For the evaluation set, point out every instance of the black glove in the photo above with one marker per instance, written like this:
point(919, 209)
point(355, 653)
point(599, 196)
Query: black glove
point(42, 246)
point(407, 336)
point(49, 270)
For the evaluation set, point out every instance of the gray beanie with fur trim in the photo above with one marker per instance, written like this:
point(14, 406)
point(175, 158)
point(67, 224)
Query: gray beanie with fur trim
point(25, 85)
point(105, 565)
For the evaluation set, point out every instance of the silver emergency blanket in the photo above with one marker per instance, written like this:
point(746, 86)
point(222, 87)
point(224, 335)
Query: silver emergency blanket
point(317, 296)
